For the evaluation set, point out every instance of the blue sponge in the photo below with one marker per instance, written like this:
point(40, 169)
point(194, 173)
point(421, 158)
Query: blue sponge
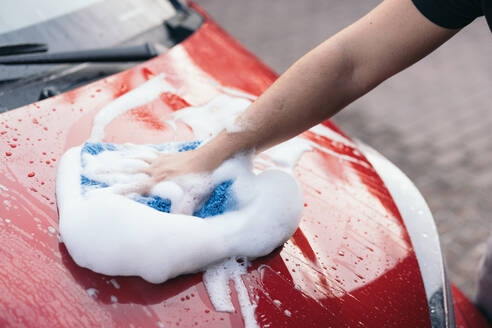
point(221, 199)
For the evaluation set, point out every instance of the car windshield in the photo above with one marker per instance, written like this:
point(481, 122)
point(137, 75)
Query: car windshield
point(75, 25)
point(14, 15)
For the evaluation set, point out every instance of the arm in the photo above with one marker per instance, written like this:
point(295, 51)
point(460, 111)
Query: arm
point(390, 38)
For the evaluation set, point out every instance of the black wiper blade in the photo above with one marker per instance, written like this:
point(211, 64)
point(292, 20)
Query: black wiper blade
point(127, 54)
point(22, 48)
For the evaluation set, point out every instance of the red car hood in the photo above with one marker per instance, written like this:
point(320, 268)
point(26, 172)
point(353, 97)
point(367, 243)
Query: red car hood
point(350, 263)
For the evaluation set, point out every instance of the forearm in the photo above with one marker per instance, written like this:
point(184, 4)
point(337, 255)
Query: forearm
point(312, 90)
point(390, 38)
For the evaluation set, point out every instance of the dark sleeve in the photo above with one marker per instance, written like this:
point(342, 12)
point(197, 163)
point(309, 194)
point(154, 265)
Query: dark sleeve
point(452, 14)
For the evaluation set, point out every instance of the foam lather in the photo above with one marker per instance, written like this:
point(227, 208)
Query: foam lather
point(182, 225)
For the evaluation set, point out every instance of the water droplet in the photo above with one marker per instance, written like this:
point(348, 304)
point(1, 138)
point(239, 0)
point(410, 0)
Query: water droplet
point(8, 153)
point(15, 139)
point(13, 145)
point(31, 174)
point(341, 253)
point(44, 153)
point(35, 121)
point(47, 162)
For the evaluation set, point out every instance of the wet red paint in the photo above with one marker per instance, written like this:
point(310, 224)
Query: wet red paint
point(467, 315)
point(146, 116)
point(174, 101)
point(375, 283)
point(147, 73)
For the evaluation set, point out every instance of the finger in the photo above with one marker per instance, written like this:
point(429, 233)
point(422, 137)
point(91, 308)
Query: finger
point(143, 187)
point(147, 170)
point(145, 159)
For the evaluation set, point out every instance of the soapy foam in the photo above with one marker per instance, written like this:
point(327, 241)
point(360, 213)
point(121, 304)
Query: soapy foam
point(128, 237)
point(137, 97)
point(158, 236)
point(158, 246)
point(224, 109)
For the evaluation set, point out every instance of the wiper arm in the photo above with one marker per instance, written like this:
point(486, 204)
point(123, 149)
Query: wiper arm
point(22, 48)
point(134, 53)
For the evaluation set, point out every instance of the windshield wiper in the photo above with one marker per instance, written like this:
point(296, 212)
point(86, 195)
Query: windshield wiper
point(22, 48)
point(133, 53)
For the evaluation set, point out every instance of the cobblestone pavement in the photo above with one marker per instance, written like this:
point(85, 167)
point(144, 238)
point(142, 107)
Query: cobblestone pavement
point(434, 120)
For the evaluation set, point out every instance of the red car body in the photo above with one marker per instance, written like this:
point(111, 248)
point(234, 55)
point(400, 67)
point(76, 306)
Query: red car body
point(351, 263)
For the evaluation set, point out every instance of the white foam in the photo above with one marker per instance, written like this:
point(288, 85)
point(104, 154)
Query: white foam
point(129, 238)
point(112, 234)
point(137, 97)
point(219, 114)
point(287, 154)
point(330, 134)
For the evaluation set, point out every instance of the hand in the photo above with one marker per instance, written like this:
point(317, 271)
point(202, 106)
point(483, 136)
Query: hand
point(167, 166)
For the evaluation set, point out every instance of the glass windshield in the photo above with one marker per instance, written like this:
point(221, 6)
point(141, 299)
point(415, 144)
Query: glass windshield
point(16, 14)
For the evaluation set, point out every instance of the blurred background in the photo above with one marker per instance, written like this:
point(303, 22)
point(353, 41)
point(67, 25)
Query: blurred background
point(433, 120)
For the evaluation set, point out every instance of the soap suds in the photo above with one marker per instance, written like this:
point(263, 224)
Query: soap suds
point(137, 97)
point(324, 131)
point(134, 235)
point(224, 110)
point(216, 279)
point(155, 236)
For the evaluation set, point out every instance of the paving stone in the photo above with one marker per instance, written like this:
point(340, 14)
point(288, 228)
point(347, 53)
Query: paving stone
point(432, 120)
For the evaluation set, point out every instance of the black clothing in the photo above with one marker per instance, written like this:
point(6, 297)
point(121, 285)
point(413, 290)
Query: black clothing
point(454, 14)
